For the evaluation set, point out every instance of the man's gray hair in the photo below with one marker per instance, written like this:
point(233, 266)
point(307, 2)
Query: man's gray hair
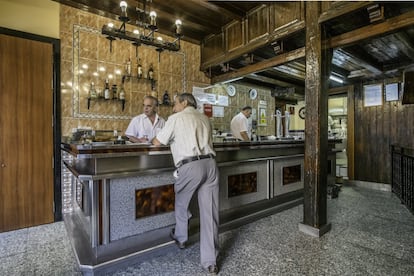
point(154, 100)
point(191, 101)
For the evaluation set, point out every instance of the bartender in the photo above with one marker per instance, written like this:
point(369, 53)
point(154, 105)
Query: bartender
point(240, 124)
point(144, 127)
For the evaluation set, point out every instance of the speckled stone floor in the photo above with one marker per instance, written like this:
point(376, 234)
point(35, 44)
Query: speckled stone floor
point(372, 234)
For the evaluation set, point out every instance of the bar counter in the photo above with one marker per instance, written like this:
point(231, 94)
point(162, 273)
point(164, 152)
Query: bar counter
point(123, 195)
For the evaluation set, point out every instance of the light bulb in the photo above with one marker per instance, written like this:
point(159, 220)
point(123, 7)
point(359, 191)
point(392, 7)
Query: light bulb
point(123, 6)
point(178, 24)
point(153, 16)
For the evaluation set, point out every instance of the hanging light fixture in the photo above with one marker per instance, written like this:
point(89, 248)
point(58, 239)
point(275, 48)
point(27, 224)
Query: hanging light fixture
point(146, 37)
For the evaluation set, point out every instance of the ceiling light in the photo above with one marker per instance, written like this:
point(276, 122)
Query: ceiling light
point(331, 77)
point(138, 38)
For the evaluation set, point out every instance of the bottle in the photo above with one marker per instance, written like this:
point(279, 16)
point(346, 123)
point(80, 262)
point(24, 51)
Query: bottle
point(128, 67)
point(114, 92)
point(92, 91)
point(166, 98)
point(106, 91)
point(150, 73)
point(139, 69)
point(122, 93)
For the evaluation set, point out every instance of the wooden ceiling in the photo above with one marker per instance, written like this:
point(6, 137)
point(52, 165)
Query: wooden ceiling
point(386, 52)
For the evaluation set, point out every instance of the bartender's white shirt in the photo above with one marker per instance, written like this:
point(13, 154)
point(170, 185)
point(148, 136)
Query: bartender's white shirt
point(238, 124)
point(141, 125)
point(188, 133)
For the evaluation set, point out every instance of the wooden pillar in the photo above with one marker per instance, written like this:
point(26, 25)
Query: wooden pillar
point(316, 126)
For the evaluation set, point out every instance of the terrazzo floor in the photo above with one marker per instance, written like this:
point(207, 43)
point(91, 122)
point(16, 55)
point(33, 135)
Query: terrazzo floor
point(372, 234)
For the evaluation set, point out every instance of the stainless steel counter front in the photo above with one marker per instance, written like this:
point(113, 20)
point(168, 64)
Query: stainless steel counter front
point(104, 221)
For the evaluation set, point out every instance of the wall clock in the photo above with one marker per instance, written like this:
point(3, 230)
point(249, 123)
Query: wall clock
point(252, 93)
point(302, 113)
point(231, 90)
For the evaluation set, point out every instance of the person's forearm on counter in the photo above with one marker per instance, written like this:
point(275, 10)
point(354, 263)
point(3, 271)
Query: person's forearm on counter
point(244, 136)
point(134, 139)
point(156, 142)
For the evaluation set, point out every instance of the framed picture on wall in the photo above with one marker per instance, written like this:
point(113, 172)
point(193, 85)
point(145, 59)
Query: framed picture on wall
point(391, 92)
point(373, 95)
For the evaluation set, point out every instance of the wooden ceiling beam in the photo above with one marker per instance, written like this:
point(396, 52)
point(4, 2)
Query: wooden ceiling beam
point(355, 36)
point(215, 8)
point(341, 8)
point(261, 66)
point(299, 89)
point(362, 62)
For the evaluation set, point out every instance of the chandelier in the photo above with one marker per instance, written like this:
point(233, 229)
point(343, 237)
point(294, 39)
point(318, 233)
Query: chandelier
point(149, 29)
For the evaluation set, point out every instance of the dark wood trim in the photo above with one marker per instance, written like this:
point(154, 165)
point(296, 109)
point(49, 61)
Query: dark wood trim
point(261, 66)
point(388, 26)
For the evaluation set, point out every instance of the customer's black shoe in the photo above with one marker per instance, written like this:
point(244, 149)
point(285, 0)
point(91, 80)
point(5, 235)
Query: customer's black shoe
point(180, 245)
point(211, 269)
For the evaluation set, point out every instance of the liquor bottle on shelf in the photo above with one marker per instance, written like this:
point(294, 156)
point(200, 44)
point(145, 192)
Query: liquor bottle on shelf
point(114, 91)
point(122, 93)
point(139, 69)
point(107, 93)
point(151, 72)
point(92, 91)
point(166, 98)
point(128, 67)
point(91, 94)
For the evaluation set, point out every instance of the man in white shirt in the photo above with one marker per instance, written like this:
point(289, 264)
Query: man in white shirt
point(143, 128)
point(189, 134)
point(240, 125)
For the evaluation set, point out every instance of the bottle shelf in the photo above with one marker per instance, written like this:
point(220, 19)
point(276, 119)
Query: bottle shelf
point(130, 78)
point(102, 99)
point(138, 78)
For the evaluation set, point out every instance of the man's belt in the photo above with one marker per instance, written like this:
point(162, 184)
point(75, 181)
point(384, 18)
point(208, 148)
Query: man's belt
point(194, 158)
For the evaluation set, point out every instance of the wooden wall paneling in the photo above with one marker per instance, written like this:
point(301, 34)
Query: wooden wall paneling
point(386, 141)
point(358, 129)
point(284, 13)
point(381, 138)
point(235, 37)
point(258, 23)
point(376, 128)
point(212, 47)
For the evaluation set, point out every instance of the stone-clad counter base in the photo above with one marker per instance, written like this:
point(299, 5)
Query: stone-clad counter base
point(122, 216)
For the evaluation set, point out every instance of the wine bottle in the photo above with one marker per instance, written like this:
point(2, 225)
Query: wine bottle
point(151, 73)
point(106, 91)
point(139, 69)
point(122, 96)
point(122, 93)
point(92, 91)
point(166, 98)
point(128, 67)
point(114, 92)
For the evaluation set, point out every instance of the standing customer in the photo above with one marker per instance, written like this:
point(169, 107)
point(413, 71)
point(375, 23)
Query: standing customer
point(240, 126)
point(188, 132)
point(144, 127)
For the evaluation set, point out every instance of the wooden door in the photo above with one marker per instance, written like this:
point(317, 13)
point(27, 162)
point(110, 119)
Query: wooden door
point(26, 133)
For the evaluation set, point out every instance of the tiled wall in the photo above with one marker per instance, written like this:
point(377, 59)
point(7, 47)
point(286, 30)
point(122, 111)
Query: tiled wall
point(86, 58)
